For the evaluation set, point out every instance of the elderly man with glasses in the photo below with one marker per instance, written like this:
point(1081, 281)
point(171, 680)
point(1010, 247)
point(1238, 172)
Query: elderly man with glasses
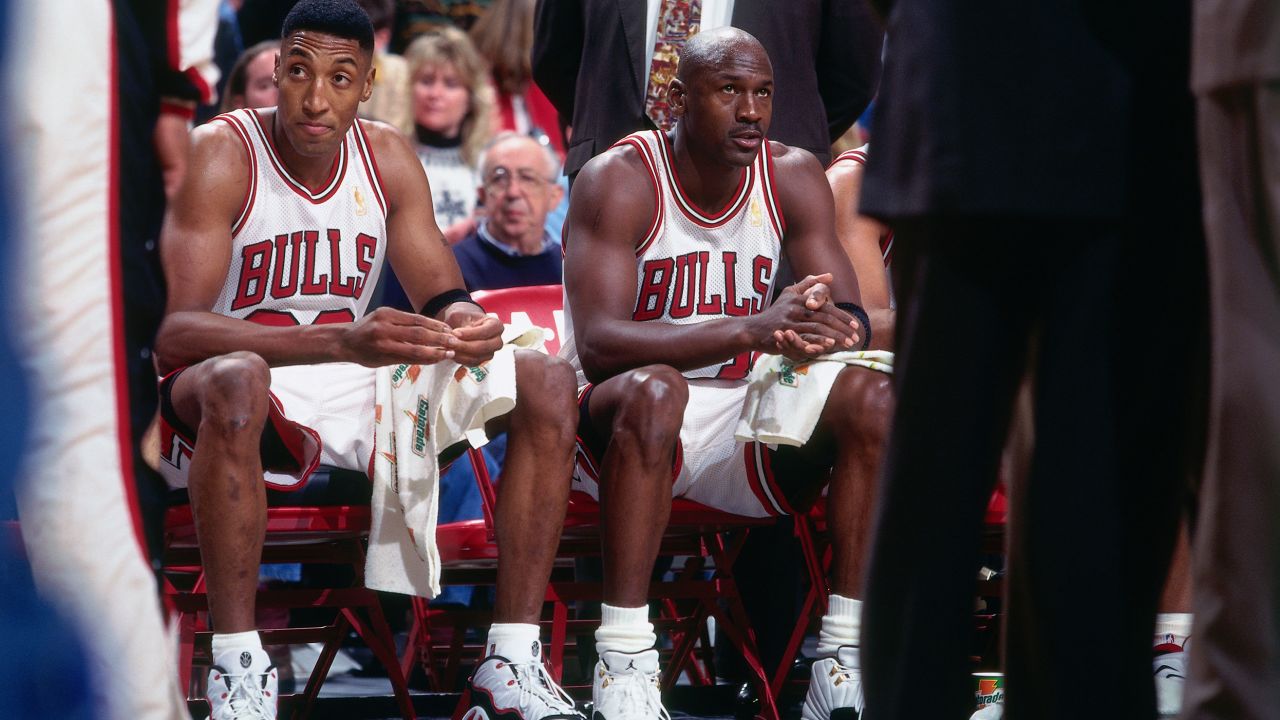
point(511, 247)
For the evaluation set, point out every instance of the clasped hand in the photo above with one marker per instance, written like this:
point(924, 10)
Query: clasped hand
point(807, 324)
point(387, 337)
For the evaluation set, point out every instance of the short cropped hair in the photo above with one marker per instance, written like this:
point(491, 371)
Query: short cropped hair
point(340, 18)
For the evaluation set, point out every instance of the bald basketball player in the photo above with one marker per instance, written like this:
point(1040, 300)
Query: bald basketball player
point(673, 243)
point(273, 245)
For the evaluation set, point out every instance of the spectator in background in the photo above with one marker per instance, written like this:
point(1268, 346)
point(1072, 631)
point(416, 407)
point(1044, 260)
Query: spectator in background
point(415, 18)
point(390, 99)
point(452, 107)
point(504, 37)
point(252, 81)
point(511, 247)
point(452, 115)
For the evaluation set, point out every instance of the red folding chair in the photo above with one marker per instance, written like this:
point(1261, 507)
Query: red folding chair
point(708, 540)
point(333, 534)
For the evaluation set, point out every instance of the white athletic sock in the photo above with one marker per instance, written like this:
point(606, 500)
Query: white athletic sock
point(842, 625)
point(1173, 628)
point(228, 649)
point(625, 630)
point(517, 642)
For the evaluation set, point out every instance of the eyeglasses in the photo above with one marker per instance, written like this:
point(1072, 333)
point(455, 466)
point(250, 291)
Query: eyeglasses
point(501, 179)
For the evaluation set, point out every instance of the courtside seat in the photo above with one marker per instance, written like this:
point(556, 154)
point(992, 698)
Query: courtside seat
point(325, 523)
point(706, 541)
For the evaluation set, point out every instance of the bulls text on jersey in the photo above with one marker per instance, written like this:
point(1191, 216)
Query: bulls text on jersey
point(677, 287)
point(287, 265)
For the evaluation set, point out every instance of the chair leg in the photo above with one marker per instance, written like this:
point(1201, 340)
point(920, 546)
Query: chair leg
point(795, 641)
point(376, 633)
point(559, 633)
point(734, 622)
point(321, 669)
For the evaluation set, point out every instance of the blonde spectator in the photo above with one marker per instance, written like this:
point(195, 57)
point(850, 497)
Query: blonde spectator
point(504, 37)
point(251, 83)
point(452, 106)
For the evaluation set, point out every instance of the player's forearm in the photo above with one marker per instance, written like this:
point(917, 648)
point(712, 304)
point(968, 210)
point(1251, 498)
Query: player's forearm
point(186, 338)
point(617, 347)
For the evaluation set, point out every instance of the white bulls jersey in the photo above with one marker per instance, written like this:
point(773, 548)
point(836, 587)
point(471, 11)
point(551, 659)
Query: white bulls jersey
point(301, 256)
point(693, 266)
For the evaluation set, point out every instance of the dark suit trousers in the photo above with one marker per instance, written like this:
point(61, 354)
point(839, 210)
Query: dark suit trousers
point(980, 301)
point(1235, 656)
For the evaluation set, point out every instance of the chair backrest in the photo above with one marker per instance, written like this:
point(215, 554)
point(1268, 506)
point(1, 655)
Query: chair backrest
point(542, 305)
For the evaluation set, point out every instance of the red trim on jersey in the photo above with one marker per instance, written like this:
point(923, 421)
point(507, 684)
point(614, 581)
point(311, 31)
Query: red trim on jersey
point(770, 196)
point(251, 192)
point(175, 37)
point(651, 165)
point(753, 479)
point(201, 85)
point(886, 248)
point(183, 110)
point(857, 156)
point(329, 187)
point(291, 434)
point(775, 490)
point(124, 425)
point(691, 210)
point(370, 165)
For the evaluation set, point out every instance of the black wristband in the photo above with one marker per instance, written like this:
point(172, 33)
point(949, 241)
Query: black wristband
point(445, 299)
point(856, 310)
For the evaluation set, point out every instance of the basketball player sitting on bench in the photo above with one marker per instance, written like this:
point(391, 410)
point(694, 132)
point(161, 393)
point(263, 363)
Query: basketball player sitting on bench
point(673, 244)
point(274, 243)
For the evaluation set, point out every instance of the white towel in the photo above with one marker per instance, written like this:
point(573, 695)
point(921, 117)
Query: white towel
point(422, 409)
point(785, 399)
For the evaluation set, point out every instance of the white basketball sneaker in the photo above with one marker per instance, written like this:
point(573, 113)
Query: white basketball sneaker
point(504, 690)
point(835, 687)
point(1170, 666)
point(245, 691)
point(626, 687)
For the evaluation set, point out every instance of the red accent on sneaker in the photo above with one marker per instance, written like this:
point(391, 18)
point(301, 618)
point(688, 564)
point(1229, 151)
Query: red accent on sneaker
point(1163, 648)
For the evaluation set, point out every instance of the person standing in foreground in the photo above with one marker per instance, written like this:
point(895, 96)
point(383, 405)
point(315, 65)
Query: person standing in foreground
point(274, 241)
point(666, 303)
point(1235, 658)
point(1067, 244)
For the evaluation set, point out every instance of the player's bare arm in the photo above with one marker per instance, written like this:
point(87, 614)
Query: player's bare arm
point(418, 251)
point(859, 235)
point(196, 251)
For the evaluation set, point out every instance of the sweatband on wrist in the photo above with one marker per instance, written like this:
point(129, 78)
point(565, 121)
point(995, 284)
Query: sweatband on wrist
point(445, 299)
point(856, 310)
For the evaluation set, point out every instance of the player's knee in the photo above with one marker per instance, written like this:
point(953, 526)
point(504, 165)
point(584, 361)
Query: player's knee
point(234, 393)
point(546, 386)
point(652, 409)
point(865, 402)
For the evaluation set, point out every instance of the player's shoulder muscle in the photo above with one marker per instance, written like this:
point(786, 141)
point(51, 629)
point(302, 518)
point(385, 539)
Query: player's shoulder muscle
point(615, 190)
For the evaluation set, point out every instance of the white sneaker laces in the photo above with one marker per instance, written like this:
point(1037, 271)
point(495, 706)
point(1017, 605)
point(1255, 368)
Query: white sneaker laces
point(245, 698)
point(638, 689)
point(536, 683)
